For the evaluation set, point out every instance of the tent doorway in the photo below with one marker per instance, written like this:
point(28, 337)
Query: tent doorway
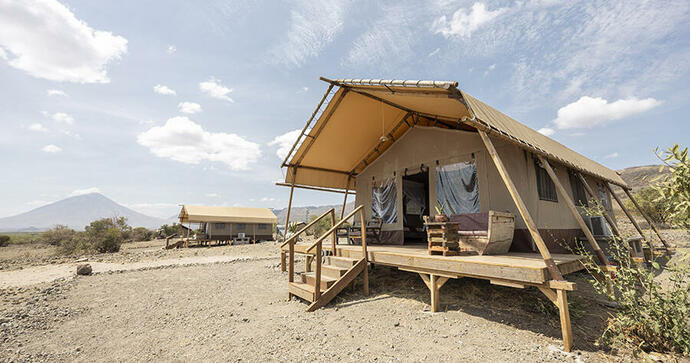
point(415, 206)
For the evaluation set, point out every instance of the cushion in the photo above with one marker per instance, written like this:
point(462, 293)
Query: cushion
point(471, 221)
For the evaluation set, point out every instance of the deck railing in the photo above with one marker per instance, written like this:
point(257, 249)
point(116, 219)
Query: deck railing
point(318, 245)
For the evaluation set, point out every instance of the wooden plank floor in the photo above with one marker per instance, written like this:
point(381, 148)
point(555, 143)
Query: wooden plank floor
point(519, 267)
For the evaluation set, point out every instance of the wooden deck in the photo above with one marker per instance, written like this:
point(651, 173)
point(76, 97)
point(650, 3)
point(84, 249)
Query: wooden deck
point(528, 268)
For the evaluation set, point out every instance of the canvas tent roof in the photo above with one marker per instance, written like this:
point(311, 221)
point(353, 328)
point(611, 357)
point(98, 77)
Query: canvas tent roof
point(363, 118)
point(197, 213)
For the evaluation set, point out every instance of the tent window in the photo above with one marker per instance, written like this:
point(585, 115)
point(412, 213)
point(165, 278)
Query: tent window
point(219, 225)
point(579, 195)
point(545, 186)
point(263, 226)
point(241, 226)
point(457, 188)
point(384, 196)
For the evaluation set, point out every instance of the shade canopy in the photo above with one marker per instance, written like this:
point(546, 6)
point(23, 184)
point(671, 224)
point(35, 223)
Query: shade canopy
point(363, 118)
point(197, 213)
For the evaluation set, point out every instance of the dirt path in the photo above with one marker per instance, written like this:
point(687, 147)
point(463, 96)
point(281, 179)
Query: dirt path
point(45, 274)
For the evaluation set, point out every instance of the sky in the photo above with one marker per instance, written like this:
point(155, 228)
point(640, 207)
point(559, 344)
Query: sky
point(161, 103)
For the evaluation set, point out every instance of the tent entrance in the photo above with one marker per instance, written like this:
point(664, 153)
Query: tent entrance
point(415, 196)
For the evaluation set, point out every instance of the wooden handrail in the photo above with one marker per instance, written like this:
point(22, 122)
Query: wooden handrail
point(332, 230)
point(332, 210)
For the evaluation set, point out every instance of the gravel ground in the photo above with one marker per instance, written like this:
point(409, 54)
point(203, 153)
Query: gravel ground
point(237, 309)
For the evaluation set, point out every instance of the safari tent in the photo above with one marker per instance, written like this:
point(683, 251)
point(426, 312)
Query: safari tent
point(228, 223)
point(407, 148)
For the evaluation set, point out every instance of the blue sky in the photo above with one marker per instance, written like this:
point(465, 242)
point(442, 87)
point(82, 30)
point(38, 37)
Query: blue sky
point(159, 103)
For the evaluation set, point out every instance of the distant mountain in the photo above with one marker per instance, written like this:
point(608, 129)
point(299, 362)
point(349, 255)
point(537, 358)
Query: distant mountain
point(76, 212)
point(300, 214)
point(639, 177)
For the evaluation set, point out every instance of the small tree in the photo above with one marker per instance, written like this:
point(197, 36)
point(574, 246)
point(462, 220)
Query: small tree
point(4, 240)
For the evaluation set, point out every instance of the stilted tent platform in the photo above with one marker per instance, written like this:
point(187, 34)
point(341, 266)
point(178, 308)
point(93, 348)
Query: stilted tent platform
point(526, 268)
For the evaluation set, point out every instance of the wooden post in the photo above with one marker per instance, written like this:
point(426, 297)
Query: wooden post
point(627, 213)
point(651, 224)
point(365, 273)
point(531, 226)
point(566, 329)
point(609, 219)
point(335, 237)
point(283, 260)
point(347, 188)
point(317, 273)
point(592, 242)
point(287, 218)
point(435, 304)
point(307, 260)
point(291, 273)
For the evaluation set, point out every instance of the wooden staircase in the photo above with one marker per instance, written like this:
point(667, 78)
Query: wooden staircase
point(338, 273)
point(331, 274)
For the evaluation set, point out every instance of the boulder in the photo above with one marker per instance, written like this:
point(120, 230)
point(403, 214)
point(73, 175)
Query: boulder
point(84, 269)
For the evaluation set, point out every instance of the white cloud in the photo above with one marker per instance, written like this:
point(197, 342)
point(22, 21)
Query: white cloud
point(611, 156)
point(546, 131)
point(212, 195)
point(36, 203)
point(51, 149)
point(62, 118)
point(489, 69)
point(434, 52)
point(56, 92)
point(313, 26)
point(183, 140)
point(84, 191)
point(215, 89)
point(71, 134)
point(160, 210)
point(267, 199)
point(171, 49)
point(46, 40)
point(284, 142)
point(464, 22)
point(189, 107)
point(588, 112)
point(163, 90)
point(38, 127)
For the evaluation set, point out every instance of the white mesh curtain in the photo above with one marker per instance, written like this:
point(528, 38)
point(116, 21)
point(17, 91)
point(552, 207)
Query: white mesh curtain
point(383, 200)
point(457, 188)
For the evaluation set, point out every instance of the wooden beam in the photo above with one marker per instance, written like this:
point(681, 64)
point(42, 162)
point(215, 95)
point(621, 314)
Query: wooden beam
point(522, 208)
point(549, 293)
point(342, 211)
point(651, 224)
point(608, 217)
point(323, 99)
point(627, 213)
point(573, 210)
point(309, 187)
point(426, 280)
point(566, 329)
point(435, 303)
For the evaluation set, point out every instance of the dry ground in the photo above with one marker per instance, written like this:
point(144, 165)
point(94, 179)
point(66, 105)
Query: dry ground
point(237, 309)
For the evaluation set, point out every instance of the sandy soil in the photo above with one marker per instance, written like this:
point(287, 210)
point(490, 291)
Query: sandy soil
point(230, 303)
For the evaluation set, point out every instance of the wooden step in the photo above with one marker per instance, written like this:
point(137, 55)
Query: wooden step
point(333, 271)
point(310, 279)
point(302, 290)
point(343, 262)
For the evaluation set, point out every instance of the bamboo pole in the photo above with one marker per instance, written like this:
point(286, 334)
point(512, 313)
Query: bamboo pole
point(608, 217)
point(651, 224)
point(522, 208)
point(590, 238)
point(627, 213)
point(318, 107)
point(347, 188)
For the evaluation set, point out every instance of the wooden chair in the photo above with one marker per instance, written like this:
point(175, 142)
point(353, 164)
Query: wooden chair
point(354, 232)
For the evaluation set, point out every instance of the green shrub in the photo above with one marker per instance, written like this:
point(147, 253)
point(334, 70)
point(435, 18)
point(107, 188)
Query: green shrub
point(649, 316)
point(650, 203)
point(4, 240)
point(109, 241)
point(674, 188)
point(56, 235)
point(169, 230)
point(142, 234)
point(103, 236)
